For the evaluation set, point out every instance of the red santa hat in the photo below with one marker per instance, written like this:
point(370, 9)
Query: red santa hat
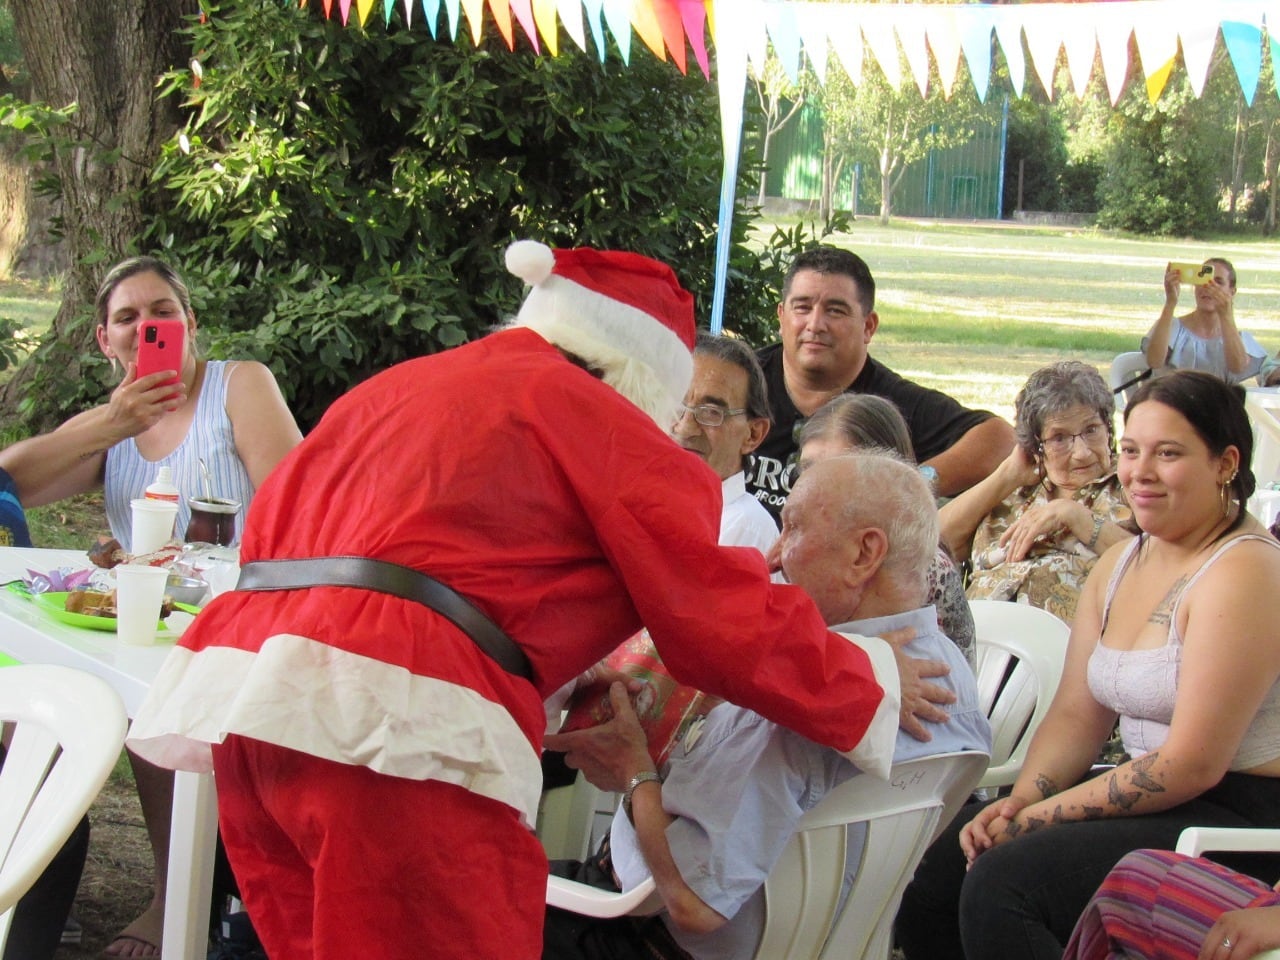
point(621, 312)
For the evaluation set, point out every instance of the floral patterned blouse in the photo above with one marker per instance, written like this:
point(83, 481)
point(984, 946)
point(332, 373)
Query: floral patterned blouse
point(1053, 574)
point(946, 593)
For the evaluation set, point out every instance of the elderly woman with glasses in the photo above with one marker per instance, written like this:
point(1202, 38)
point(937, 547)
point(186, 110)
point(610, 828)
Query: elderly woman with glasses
point(1034, 528)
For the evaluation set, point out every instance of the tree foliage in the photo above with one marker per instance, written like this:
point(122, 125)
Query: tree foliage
point(1160, 175)
point(1049, 153)
point(778, 99)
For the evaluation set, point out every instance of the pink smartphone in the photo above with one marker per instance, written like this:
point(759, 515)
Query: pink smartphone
point(160, 347)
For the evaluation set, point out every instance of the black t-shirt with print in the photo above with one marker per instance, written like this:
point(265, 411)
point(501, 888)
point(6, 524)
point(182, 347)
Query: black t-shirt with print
point(935, 422)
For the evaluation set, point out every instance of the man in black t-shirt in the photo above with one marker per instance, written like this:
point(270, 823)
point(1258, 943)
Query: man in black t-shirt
point(826, 320)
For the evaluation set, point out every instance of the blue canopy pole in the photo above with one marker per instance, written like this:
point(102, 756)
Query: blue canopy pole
point(724, 238)
point(731, 80)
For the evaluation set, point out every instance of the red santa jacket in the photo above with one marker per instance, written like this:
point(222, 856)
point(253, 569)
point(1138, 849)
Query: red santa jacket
point(554, 505)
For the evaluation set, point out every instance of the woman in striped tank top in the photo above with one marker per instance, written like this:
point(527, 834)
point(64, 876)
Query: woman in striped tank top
point(1157, 903)
point(230, 414)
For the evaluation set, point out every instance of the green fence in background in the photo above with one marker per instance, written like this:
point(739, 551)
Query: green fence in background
point(962, 182)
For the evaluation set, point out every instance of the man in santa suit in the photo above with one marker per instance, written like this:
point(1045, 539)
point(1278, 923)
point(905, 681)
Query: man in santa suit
point(375, 748)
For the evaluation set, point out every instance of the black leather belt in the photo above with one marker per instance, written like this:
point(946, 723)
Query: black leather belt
point(399, 581)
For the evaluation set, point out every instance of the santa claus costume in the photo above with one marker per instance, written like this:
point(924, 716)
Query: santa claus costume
point(377, 771)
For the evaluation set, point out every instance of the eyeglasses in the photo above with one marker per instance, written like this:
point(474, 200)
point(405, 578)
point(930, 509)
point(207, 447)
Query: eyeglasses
point(1061, 443)
point(708, 414)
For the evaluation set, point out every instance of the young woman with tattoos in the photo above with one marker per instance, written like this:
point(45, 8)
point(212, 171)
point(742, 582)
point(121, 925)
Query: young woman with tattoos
point(1177, 635)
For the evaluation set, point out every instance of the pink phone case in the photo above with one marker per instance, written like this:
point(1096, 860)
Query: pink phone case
point(160, 347)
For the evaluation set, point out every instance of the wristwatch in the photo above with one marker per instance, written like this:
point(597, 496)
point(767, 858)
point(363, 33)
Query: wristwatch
point(646, 776)
point(1098, 523)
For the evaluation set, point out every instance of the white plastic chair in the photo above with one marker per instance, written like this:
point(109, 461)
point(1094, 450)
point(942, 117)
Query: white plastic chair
point(1034, 643)
point(66, 730)
point(1196, 841)
point(802, 893)
point(1124, 369)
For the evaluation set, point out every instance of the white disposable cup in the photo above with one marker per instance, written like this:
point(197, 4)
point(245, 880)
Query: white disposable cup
point(139, 594)
point(152, 527)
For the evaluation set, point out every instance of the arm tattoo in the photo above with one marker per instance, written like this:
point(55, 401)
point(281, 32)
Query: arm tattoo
point(1120, 799)
point(1045, 785)
point(1032, 824)
point(1141, 776)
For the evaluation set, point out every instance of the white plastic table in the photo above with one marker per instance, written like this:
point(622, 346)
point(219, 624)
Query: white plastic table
point(30, 635)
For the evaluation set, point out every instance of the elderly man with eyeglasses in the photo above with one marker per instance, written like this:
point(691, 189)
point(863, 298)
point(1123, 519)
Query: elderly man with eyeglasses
point(725, 415)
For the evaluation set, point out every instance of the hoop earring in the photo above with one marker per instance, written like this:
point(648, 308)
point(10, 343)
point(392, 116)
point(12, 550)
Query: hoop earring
point(1224, 496)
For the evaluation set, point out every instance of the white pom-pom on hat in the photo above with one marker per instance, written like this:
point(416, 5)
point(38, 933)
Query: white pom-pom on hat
point(530, 260)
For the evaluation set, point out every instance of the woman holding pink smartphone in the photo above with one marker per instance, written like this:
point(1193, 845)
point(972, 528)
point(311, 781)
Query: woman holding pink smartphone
point(171, 408)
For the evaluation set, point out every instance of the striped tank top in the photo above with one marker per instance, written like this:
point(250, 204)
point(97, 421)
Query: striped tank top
point(128, 473)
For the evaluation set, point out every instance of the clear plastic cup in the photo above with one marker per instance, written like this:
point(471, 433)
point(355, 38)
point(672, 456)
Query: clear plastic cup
point(152, 526)
point(139, 596)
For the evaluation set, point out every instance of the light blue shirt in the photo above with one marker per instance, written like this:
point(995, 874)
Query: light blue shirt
point(739, 785)
point(1189, 352)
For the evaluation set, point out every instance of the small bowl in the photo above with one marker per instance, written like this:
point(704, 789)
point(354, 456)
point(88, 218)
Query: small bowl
point(186, 589)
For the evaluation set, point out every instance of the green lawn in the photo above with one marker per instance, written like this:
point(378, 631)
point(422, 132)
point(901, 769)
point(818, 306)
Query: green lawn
point(31, 304)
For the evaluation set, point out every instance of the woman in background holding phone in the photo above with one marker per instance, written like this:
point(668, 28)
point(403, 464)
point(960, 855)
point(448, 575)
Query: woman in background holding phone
point(230, 414)
point(1206, 338)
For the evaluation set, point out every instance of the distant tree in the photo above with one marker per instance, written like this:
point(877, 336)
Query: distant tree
point(889, 129)
point(1247, 150)
point(779, 99)
point(1161, 175)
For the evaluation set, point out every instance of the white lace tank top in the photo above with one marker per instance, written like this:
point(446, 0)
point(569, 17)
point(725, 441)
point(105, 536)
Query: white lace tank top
point(1142, 685)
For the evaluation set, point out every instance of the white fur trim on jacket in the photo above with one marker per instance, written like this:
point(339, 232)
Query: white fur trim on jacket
point(642, 359)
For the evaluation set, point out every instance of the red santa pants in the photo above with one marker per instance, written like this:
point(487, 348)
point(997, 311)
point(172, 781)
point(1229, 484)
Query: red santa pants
point(337, 861)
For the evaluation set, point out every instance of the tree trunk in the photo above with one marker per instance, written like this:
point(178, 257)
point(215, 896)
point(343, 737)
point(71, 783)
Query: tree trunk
point(105, 56)
point(15, 202)
point(1237, 159)
point(1270, 161)
point(887, 162)
point(27, 249)
point(837, 167)
point(764, 164)
point(826, 201)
